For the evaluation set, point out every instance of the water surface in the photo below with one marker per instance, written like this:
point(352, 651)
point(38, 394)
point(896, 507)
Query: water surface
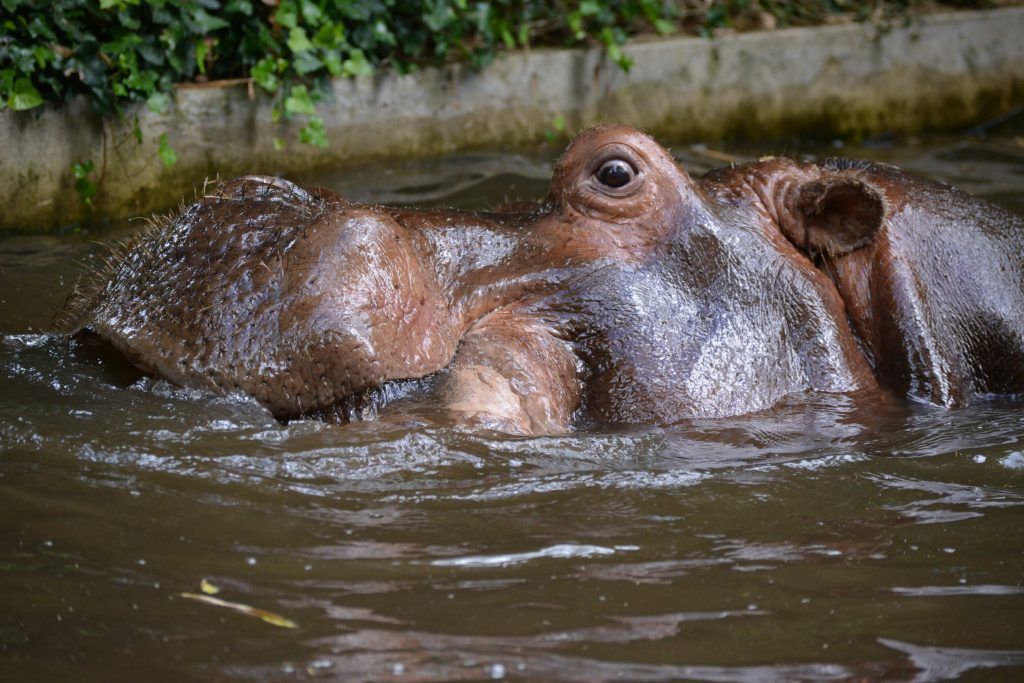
point(823, 540)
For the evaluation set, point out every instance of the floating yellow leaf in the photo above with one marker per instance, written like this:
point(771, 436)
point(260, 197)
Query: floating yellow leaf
point(262, 614)
point(208, 587)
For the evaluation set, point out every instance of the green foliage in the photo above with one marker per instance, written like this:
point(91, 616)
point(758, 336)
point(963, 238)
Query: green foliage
point(121, 51)
point(117, 52)
point(167, 154)
point(85, 187)
point(314, 132)
point(23, 95)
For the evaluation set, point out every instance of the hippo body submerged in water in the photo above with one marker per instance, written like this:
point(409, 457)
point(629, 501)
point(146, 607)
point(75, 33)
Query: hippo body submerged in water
point(634, 294)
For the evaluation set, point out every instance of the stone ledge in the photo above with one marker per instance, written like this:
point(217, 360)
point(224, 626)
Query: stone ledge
point(941, 71)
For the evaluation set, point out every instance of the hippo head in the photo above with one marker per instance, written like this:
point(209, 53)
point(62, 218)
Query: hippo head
point(302, 299)
point(634, 293)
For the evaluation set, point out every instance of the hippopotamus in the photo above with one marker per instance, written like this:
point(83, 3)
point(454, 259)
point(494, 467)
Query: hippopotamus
point(634, 293)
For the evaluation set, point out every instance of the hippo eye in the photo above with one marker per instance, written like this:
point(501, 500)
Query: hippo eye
point(615, 173)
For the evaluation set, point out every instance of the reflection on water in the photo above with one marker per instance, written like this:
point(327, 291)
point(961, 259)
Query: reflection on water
point(828, 539)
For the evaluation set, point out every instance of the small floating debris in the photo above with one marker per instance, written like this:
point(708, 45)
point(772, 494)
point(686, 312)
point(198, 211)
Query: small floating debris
point(208, 587)
point(249, 611)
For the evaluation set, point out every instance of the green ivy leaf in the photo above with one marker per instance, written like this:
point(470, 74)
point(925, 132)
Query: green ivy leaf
point(357, 64)
point(240, 6)
point(85, 187)
point(158, 102)
point(24, 95)
point(202, 22)
point(574, 20)
point(126, 19)
point(299, 102)
point(333, 64)
point(314, 133)
point(203, 48)
point(306, 62)
point(43, 55)
point(611, 42)
point(311, 14)
point(83, 169)
point(265, 72)
point(6, 84)
point(383, 35)
point(298, 41)
point(166, 152)
point(287, 15)
point(663, 26)
point(329, 37)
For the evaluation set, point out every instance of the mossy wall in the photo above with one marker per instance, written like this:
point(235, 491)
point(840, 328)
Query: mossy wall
point(944, 71)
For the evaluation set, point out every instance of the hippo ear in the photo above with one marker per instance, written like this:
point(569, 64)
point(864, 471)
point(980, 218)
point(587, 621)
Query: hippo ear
point(835, 215)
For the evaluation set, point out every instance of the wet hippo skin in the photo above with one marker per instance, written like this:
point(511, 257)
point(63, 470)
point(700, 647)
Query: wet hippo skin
point(634, 293)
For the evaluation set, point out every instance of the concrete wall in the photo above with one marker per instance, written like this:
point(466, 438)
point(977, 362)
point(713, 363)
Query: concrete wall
point(939, 72)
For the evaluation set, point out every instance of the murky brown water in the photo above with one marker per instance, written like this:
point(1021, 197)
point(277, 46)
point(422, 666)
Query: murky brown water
point(821, 541)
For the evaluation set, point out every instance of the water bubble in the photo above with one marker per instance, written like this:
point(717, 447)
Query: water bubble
point(251, 561)
point(398, 669)
point(979, 458)
point(497, 671)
